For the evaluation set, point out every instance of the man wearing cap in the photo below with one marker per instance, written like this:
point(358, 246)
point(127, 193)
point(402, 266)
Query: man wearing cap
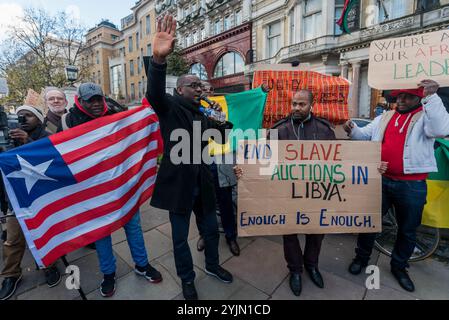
point(14, 246)
point(90, 104)
point(56, 102)
point(408, 136)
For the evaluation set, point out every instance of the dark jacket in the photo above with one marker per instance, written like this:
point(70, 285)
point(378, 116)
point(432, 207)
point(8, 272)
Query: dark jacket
point(76, 117)
point(313, 129)
point(176, 182)
point(38, 133)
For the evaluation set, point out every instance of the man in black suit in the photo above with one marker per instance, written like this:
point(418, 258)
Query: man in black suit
point(187, 185)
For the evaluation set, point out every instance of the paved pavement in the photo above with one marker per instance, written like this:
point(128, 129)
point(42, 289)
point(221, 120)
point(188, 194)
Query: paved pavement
point(260, 272)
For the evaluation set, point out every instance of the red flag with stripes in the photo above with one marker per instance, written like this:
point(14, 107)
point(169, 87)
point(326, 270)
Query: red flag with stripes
point(81, 185)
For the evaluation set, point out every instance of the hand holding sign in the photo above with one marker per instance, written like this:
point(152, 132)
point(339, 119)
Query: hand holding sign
point(430, 87)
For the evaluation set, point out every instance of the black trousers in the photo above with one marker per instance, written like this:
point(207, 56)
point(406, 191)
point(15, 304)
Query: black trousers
point(180, 223)
point(294, 256)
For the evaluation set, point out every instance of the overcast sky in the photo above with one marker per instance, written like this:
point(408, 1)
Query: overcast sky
point(90, 12)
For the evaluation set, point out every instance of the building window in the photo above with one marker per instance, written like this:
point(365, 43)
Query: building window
point(137, 41)
point(149, 50)
point(98, 57)
point(228, 22)
point(116, 72)
point(199, 70)
point(291, 18)
point(116, 81)
point(273, 39)
point(140, 90)
point(217, 27)
point(238, 17)
point(230, 63)
point(339, 5)
point(313, 25)
point(140, 29)
point(148, 25)
point(193, 7)
point(133, 92)
point(185, 11)
point(392, 9)
point(203, 34)
point(195, 37)
point(131, 68)
point(188, 44)
point(130, 44)
point(139, 66)
point(99, 77)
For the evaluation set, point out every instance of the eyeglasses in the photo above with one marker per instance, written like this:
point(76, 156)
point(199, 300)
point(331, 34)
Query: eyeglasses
point(194, 85)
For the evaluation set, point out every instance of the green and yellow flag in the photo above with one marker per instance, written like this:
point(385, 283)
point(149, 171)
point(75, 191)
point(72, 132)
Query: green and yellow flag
point(245, 110)
point(436, 212)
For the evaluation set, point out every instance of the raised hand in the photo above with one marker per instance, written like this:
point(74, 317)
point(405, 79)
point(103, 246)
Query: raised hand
point(348, 126)
point(430, 87)
point(164, 40)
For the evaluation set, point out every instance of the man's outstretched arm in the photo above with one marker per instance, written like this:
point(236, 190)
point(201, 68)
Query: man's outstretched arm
point(163, 45)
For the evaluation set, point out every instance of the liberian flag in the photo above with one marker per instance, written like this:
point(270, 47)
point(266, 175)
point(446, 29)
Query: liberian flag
point(81, 185)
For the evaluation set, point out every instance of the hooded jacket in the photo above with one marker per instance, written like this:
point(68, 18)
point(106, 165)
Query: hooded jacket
point(424, 128)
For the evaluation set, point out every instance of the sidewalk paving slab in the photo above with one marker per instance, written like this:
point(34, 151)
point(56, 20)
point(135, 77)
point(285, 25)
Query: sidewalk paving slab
point(168, 261)
point(135, 287)
point(431, 278)
point(261, 264)
point(43, 292)
point(91, 275)
point(335, 288)
point(386, 293)
point(156, 243)
point(210, 288)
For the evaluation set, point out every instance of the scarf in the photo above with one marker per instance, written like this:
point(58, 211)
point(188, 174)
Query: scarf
point(80, 107)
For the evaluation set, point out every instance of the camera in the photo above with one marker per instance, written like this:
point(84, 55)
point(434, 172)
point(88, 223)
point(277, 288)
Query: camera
point(8, 122)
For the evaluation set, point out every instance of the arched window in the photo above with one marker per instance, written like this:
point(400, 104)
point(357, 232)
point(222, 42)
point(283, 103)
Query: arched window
point(230, 63)
point(199, 70)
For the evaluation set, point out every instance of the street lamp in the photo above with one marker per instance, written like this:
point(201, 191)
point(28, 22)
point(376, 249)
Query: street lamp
point(71, 73)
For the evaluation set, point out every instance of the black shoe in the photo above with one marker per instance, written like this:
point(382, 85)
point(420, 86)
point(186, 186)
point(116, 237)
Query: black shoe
point(221, 274)
point(107, 288)
point(91, 246)
point(52, 276)
point(200, 245)
point(357, 266)
point(234, 247)
point(9, 286)
point(316, 277)
point(150, 273)
point(296, 284)
point(189, 291)
point(403, 278)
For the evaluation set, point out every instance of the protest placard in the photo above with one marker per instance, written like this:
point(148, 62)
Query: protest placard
point(310, 187)
point(401, 63)
point(34, 99)
point(330, 94)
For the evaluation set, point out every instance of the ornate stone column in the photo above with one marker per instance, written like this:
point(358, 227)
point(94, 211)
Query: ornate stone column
point(344, 69)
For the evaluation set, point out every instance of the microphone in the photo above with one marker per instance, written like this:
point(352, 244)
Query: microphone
point(207, 100)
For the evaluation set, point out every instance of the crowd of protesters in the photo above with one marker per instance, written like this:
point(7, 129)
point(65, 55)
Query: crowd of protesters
point(407, 135)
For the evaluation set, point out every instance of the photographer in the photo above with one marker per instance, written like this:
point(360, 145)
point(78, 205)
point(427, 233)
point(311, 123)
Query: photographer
point(31, 129)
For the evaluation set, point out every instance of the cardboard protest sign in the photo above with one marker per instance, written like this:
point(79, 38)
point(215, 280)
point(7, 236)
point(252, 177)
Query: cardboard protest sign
point(330, 94)
point(401, 63)
point(309, 187)
point(34, 99)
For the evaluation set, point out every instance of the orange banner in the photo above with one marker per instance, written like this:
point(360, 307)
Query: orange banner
point(330, 94)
